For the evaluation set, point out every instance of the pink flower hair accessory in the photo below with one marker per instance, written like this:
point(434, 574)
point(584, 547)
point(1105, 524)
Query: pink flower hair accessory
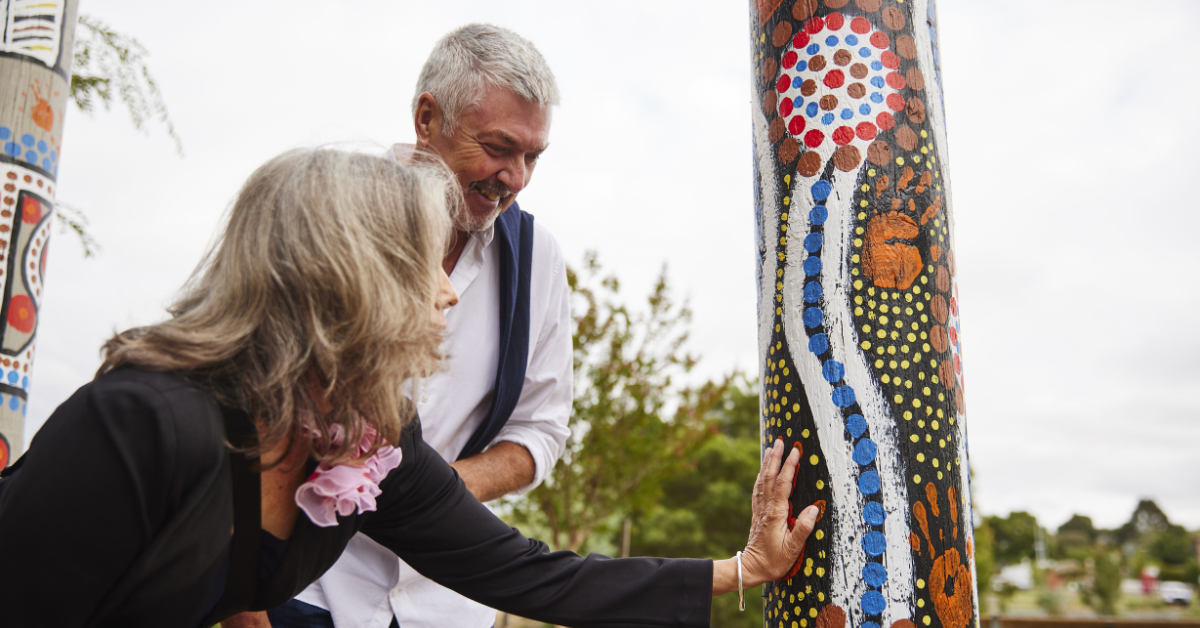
point(341, 489)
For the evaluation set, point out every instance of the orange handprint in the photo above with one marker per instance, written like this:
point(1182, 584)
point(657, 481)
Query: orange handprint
point(891, 264)
point(954, 609)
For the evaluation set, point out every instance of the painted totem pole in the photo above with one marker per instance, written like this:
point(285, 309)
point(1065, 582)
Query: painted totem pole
point(858, 316)
point(35, 79)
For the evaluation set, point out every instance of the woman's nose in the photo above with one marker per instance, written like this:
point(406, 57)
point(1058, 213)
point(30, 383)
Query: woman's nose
point(447, 295)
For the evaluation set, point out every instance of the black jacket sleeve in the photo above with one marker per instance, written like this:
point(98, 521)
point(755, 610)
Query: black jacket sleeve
point(428, 518)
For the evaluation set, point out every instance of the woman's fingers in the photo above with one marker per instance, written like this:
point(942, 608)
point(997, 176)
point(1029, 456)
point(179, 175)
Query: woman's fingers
point(788, 472)
point(783, 483)
point(770, 470)
point(799, 534)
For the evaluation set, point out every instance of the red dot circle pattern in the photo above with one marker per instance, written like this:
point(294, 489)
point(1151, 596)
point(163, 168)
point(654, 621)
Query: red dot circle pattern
point(845, 109)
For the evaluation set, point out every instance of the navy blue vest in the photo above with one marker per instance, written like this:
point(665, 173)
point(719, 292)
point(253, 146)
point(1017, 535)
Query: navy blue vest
point(514, 235)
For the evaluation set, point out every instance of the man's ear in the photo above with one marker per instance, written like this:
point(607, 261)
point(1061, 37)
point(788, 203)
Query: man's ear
point(428, 119)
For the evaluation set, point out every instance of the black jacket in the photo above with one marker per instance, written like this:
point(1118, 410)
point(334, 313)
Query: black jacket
point(121, 515)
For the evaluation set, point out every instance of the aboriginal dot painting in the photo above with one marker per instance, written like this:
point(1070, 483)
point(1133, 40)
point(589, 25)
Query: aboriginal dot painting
point(858, 312)
point(35, 70)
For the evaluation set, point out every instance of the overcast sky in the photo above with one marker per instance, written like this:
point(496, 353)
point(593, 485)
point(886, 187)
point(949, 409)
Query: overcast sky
point(1072, 133)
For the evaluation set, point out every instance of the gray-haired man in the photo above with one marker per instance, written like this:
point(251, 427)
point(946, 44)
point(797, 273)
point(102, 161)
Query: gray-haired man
point(483, 105)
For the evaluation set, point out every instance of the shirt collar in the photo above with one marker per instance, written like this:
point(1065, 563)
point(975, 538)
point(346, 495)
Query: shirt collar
point(484, 237)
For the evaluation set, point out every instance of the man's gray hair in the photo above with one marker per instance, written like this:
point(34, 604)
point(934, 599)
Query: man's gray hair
point(474, 57)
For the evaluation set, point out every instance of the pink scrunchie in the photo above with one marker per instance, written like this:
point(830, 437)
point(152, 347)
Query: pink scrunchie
point(343, 488)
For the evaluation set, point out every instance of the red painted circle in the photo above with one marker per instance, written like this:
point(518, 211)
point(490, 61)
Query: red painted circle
point(896, 81)
point(814, 25)
point(4, 452)
point(843, 135)
point(895, 102)
point(800, 40)
point(814, 138)
point(889, 59)
point(785, 107)
point(953, 336)
point(789, 59)
point(954, 306)
point(783, 83)
point(31, 210)
point(885, 121)
point(835, 79)
point(880, 40)
point(957, 365)
point(860, 25)
point(865, 131)
point(834, 21)
point(21, 314)
point(796, 125)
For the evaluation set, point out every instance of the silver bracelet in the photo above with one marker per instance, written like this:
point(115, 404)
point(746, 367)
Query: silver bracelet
point(741, 593)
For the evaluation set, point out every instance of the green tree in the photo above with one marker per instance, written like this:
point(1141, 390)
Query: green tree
point(985, 562)
point(632, 424)
point(1146, 523)
point(108, 65)
point(1075, 538)
point(1174, 552)
point(1015, 536)
point(1104, 588)
point(705, 508)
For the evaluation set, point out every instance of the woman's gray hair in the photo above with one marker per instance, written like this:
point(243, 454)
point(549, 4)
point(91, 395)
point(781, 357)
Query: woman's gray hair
point(321, 285)
point(474, 57)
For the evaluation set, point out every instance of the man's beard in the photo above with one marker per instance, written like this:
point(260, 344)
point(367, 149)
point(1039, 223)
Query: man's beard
point(464, 220)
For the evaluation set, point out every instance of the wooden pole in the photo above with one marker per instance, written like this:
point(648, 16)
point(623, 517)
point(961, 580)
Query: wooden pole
point(858, 315)
point(35, 80)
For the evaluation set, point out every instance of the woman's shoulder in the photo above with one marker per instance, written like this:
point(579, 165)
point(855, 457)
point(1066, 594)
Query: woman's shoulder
point(168, 397)
point(165, 410)
point(159, 430)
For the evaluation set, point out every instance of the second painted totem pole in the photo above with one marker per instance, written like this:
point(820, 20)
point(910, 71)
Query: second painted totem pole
point(35, 79)
point(858, 314)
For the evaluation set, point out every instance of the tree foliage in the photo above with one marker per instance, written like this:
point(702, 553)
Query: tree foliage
point(985, 560)
point(1075, 537)
point(705, 508)
point(1104, 588)
point(109, 65)
point(1015, 536)
point(1147, 520)
point(632, 423)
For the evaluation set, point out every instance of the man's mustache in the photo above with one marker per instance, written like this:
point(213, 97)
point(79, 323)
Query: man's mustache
point(492, 189)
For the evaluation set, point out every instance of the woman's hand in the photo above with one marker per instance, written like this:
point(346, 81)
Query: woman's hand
point(772, 549)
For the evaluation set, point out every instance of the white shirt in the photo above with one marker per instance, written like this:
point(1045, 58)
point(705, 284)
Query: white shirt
point(369, 584)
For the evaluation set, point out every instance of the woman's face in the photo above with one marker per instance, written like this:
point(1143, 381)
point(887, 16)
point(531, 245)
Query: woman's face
point(446, 297)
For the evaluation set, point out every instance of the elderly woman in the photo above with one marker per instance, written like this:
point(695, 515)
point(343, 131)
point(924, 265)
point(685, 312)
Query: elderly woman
point(222, 459)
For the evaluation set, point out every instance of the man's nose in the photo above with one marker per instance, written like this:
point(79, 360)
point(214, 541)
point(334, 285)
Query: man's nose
point(513, 175)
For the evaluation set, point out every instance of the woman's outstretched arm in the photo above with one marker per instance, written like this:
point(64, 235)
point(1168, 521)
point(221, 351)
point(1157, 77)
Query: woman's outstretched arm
point(430, 520)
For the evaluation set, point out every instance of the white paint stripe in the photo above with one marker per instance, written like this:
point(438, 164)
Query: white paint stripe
point(839, 325)
point(845, 524)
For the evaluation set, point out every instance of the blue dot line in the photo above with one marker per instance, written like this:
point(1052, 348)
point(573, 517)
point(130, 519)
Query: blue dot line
point(865, 450)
